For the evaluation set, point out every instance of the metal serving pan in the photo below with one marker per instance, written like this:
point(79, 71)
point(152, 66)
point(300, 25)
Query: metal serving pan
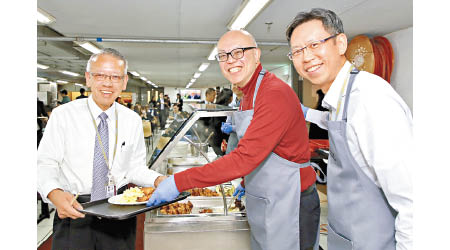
point(103, 209)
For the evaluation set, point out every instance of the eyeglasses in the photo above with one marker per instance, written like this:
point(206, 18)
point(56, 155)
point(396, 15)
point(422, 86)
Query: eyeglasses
point(103, 77)
point(237, 53)
point(312, 46)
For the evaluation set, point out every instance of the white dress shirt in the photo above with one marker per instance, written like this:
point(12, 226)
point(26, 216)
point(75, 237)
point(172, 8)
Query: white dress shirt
point(380, 138)
point(66, 152)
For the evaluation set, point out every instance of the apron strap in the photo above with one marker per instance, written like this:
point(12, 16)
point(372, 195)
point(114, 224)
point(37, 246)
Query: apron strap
point(353, 74)
point(258, 82)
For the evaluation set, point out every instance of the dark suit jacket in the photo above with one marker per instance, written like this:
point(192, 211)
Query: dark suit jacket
point(40, 112)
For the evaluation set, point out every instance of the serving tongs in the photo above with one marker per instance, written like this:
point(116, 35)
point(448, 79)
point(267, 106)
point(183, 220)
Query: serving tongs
point(220, 186)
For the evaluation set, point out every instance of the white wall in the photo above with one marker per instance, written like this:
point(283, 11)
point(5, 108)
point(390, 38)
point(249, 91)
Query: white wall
point(284, 73)
point(402, 74)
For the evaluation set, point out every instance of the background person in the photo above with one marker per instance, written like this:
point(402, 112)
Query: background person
point(224, 98)
point(65, 97)
point(70, 159)
point(210, 96)
point(81, 96)
point(163, 110)
point(370, 135)
point(273, 154)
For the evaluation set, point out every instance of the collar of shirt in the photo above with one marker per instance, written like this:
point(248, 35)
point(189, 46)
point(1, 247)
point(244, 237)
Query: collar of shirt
point(96, 111)
point(331, 99)
point(250, 86)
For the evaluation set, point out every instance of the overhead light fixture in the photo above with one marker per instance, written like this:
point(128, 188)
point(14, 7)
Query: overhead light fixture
point(89, 46)
point(193, 80)
point(41, 79)
point(44, 18)
point(134, 73)
point(41, 66)
point(197, 75)
point(248, 10)
point(69, 73)
point(81, 85)
point(203, 67)
point(143, 78)
point(212, 55)
point(62, 81)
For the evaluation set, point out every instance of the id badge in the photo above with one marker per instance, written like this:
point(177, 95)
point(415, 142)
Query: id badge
point(110, 187)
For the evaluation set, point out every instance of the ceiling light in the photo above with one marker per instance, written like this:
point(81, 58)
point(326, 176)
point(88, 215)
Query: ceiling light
point(212, 55)
point(89, 46)
point(197, 75)
point(41, 79)
point(134, 73)
point(193, 80)
point(69, 73)
point(62, 81)
point(81, 85)
point(247, 12)
point(41, 66)
point(203, 67)
point(44, 18)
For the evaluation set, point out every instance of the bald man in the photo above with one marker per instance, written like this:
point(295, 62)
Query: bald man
point(282, 203)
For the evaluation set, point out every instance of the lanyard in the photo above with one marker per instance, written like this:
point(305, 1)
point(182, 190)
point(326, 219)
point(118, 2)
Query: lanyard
point(344, 87)
point(100, 139)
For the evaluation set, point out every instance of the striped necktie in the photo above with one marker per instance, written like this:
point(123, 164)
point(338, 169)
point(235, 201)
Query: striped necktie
point(100, 172)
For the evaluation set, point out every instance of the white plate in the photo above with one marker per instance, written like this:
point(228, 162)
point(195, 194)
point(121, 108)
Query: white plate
point(115, 200)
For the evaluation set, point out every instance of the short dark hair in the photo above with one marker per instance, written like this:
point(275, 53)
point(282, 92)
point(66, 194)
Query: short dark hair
point(209, 91)
point(224, 98)
point(82, 90)
point(64, 92)
point(331, 22)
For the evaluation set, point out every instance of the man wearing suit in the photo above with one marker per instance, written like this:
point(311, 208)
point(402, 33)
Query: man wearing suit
point(163, 110)
point(40, 124)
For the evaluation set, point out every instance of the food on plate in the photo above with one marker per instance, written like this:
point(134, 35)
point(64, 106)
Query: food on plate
point(205, 210)
point(148, 191)
point(202, 192)
point(177, 208)
point(136, 194)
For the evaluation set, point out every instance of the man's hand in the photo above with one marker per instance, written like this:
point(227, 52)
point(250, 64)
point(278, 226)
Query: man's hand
point(62, 201)
point(239, 191)
point(226, 128)
point(166, 191)
point(159, 180)
point(305, 110)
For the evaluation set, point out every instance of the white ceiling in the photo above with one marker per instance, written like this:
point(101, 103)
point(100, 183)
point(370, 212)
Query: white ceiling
point(174, 64)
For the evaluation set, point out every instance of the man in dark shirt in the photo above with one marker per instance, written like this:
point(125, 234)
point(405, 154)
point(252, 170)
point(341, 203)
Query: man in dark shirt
point(82, 91)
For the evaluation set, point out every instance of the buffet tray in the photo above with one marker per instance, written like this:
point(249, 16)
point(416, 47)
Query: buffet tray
point(215, 203)
point(103, 209)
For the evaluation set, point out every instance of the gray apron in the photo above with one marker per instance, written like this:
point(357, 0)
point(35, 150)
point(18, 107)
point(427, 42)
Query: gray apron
point(359, 216)
point(272, 209)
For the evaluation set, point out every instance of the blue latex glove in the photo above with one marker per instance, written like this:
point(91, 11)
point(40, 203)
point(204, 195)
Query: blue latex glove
point(166, 191)
point(305, 110)
point(226, 128)
point(239, 191)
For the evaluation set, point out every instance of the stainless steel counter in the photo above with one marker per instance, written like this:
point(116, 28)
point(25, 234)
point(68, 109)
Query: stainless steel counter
point(197, 231)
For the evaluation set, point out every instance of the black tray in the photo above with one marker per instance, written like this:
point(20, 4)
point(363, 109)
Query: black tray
point(102, 208)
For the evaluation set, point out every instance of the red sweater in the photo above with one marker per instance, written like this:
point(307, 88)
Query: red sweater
point(277, 125)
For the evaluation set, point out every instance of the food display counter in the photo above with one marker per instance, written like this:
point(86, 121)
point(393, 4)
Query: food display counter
point(199, 222)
